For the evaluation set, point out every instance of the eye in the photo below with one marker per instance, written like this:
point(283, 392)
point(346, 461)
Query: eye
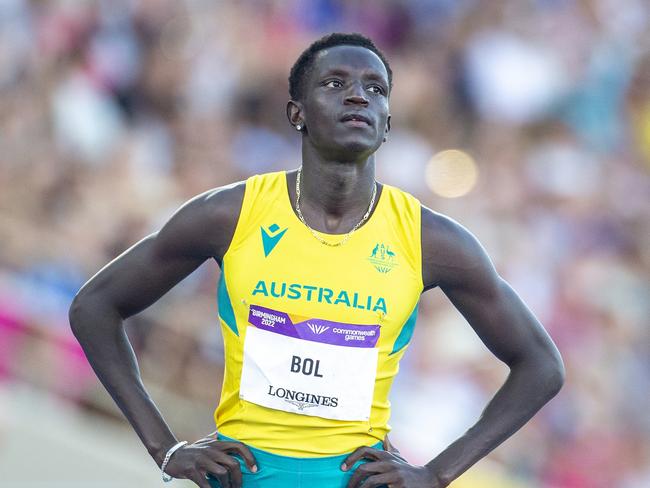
point(376, 89)
point(333, 84)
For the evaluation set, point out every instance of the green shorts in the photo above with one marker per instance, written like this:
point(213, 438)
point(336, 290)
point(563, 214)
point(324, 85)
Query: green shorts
point(275, 471)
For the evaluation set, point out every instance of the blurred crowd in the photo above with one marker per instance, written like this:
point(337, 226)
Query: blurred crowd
point(113, 113)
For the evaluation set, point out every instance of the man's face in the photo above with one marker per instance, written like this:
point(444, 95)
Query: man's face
point(345, 105)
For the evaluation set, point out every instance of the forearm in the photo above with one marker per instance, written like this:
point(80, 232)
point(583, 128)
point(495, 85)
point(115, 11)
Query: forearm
point(101, 333)
point(527, 388)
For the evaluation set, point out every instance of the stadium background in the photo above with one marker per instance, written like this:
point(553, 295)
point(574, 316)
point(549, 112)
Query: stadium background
point(113, 113)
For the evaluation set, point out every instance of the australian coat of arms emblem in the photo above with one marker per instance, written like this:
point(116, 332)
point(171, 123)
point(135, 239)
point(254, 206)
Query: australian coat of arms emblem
point(383, 258)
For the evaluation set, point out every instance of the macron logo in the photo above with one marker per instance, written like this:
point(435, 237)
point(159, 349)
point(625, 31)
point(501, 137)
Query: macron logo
point(271, 238)
point(317, 329)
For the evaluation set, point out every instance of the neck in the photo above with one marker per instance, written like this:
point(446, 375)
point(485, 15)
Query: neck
point(334, 195)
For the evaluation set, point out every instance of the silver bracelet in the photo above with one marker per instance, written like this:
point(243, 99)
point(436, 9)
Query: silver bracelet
point(165, 477)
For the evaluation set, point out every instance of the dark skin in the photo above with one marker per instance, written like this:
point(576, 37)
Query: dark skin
point(338, 176)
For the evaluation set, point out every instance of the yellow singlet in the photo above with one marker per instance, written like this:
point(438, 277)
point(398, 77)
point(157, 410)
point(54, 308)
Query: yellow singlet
point(313, 334)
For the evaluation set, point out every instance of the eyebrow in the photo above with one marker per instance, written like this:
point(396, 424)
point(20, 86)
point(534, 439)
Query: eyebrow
point(371, 75)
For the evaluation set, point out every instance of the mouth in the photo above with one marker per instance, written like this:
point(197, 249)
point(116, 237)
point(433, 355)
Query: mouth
point(356, 119)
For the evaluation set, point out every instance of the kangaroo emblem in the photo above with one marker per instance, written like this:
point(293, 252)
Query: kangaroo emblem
point(374, 251)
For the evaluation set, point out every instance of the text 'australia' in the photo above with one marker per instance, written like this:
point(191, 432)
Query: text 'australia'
point(296, 291)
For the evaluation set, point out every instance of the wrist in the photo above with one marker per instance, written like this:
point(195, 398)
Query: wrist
point(165, 477)
point(438, 478)
point(158, 451)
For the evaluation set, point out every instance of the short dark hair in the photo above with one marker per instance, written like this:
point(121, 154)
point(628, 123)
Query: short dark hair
point(303, 65)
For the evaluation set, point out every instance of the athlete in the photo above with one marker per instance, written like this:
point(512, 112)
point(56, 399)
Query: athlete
point(322, 270)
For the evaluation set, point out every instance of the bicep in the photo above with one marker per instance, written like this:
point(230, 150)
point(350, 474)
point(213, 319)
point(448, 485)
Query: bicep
point(455, 261)
point(499, 317)
point(140, 276)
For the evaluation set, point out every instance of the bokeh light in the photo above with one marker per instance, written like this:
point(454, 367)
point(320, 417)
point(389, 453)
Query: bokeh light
point(451, 173)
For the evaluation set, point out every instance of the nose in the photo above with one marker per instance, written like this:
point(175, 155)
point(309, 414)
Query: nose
point(356, 95)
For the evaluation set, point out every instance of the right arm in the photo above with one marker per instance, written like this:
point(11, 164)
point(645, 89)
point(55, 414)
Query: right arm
point(199, 230)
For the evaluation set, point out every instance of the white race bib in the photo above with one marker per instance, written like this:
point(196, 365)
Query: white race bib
point(312, 367)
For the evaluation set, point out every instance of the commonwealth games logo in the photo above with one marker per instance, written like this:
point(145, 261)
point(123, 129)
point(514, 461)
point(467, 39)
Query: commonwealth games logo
point(317, 329)
point(383, 258)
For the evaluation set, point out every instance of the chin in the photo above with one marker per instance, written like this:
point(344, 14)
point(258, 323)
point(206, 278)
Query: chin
point(357, 148)
point(345, 147)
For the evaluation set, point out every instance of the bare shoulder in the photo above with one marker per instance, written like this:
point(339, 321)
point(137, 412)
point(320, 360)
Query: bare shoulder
point(205, 224)
point(450, 251)
point(220, 205)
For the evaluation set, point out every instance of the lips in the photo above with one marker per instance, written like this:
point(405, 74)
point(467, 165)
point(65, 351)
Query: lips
point(355, 117)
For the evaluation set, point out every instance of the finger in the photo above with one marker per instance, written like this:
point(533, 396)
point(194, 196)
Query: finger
point(200, 479)
point(360, 474)
point(243, 451)
point(221, 474)
point(234, 470)
point(366, 470)
point(203, 482)
point(363, 452)
point(377, 480)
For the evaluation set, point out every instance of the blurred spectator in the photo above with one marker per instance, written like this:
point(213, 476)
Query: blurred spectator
point(114, 113)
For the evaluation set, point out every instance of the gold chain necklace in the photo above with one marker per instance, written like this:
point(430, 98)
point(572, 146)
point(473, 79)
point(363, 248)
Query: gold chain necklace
point(346, 237)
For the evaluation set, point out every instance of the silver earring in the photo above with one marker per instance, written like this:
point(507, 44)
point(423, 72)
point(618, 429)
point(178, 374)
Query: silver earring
point(299, 127)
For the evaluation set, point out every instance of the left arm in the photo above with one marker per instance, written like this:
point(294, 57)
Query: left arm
point(455, 261)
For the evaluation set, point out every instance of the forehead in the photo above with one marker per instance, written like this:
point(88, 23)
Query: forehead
point(348, 58)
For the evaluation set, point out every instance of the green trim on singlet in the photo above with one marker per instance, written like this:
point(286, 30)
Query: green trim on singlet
point(226, 312)
point(275, 471)
point(407, 331)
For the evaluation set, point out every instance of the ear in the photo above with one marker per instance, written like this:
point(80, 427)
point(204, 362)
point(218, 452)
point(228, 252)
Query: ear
point(387, 130)
point(295, 113)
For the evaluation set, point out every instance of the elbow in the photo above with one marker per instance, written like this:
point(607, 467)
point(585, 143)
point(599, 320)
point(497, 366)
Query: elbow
point(544, 372)
point(561, 373)
point(83, 312)
point(76, 313)
point(552, 375)
point(557, 378)
point(89, 311)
